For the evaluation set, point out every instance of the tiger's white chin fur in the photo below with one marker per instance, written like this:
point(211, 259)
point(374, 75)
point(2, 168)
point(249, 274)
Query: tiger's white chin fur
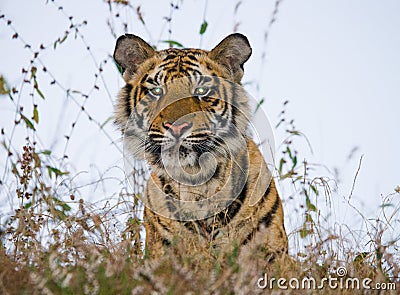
point(186, 168)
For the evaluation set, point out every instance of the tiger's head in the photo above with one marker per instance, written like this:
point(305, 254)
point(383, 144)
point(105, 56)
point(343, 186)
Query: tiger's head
point(183, 110)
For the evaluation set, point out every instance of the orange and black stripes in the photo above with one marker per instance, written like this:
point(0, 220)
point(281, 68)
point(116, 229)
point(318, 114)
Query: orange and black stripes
point(170, 124)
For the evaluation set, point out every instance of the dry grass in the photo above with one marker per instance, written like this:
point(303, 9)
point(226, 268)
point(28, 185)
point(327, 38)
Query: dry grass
point(74, 265)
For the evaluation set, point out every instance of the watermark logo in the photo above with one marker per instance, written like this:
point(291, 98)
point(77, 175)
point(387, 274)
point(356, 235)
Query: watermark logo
point(341, 282)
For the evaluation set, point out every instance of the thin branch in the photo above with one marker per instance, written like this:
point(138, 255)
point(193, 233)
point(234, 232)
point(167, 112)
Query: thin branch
point(355, 177)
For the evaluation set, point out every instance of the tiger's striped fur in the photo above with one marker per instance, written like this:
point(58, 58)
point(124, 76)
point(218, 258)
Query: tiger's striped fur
point(163, 103)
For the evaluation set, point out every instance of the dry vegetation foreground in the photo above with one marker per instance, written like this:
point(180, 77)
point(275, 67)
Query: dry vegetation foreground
point(85, 253)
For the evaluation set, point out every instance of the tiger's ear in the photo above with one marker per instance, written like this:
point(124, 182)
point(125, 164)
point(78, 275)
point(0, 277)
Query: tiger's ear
point(130, 52)
point(232, 52)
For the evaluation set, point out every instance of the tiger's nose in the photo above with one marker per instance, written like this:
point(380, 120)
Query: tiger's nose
point(177, 129)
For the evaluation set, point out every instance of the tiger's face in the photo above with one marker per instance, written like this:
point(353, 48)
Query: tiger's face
point(183, 111)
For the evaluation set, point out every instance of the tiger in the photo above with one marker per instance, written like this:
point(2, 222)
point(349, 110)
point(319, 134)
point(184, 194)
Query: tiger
point(185, 113)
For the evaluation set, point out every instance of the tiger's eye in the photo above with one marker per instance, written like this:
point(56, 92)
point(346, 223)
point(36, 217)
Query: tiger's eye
point(157, 91)
point(202, 90)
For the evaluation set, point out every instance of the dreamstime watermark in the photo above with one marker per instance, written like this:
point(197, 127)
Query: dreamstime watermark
point(340, 281)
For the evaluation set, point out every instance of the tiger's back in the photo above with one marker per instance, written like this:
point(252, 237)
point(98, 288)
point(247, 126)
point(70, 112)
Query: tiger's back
point(185, 113)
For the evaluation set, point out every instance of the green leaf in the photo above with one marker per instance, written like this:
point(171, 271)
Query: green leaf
point(28, 205)
point(386, 205)
point(290, 174)
point(310, 206)
point(294, 132)
point(203, 27)
point(28, 123)
point(281, 162)
point(45, 152)
point(59, 41)
point(294, 162)
point(4, 88)
point(64, 205)
point(49, 172)
point(289, 152)
point(378, 253)
point(172, 43)
point(119, 68)
point(259, 104)
point(314, 189)
point(304, 232)
point(106, 121)
point(56, 171)
point(361, 257)
point(279, 123)
point(40, 93)
point(64, 38)
point(35, 114)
